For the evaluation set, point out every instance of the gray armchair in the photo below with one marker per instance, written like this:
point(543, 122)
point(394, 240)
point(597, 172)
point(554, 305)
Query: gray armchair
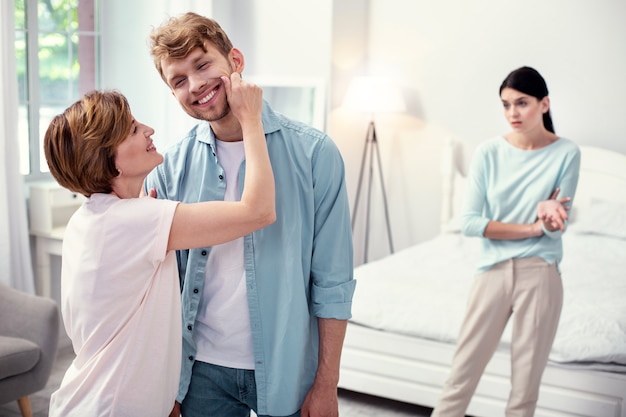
point(29, 332)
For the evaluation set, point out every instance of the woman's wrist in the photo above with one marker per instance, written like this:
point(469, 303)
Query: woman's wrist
point(536, 229)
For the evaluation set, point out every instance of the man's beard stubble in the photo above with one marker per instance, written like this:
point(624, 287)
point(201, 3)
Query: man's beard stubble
point(214, 116)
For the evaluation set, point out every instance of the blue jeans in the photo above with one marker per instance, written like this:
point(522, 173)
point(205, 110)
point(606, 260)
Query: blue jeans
point(218, 391)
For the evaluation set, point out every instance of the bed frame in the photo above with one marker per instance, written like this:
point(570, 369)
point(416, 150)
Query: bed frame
point(414, 370)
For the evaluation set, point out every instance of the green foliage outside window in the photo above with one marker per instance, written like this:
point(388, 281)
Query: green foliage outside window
point(57, 22)
point(52, 39)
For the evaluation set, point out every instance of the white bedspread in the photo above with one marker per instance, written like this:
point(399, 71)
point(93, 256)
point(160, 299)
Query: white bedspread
point(422, 291)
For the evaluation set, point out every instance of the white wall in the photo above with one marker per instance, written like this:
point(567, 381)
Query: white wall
point(280, 37)
point(451, 56)
point(455, 53)
point(277, 37)
point(127, 65)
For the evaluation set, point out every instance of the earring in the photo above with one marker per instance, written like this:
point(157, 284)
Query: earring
point(119, 172)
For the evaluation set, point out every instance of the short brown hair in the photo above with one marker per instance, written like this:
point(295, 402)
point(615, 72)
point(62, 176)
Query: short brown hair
point(80, 143)
point(178, 36)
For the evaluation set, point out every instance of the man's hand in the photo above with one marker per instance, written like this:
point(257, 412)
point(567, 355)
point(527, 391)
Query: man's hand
point(176, 410)
point(320, 401)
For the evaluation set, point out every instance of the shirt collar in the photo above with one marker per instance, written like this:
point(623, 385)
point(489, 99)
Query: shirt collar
point(268, 117)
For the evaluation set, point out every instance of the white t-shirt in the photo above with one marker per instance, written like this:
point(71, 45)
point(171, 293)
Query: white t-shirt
point(120, 301)
point(222, 335)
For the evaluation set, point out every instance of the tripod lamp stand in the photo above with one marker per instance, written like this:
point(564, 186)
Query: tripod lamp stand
point(372, 95)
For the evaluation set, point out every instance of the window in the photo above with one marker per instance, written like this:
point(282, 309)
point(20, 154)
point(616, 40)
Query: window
point(57, 49)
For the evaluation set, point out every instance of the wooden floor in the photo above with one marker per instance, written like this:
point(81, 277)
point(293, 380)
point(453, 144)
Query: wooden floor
point(351, 404)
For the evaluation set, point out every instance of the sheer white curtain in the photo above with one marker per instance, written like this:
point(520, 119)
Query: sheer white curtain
point(15, 261)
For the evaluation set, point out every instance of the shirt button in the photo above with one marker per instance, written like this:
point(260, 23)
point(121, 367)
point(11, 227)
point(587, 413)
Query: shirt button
point(203, 253)
point(189, 327)
point(221, 177)
point(190, 358)
point(196, 291)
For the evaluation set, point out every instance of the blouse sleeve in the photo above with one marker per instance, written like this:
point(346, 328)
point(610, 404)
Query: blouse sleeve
point(567, 183)
point(473, 220)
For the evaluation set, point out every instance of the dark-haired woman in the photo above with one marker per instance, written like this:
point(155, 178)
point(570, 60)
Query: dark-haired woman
point(520, 187)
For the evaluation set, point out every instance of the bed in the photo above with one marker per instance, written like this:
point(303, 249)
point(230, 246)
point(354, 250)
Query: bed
point(408, 307)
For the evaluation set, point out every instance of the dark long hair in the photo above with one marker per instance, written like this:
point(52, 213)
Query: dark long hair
point(528, 81)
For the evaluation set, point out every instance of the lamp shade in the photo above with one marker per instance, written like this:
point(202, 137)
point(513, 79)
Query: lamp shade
point(374, 95)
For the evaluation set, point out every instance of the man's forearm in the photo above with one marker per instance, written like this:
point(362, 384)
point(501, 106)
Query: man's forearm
point(332, 334)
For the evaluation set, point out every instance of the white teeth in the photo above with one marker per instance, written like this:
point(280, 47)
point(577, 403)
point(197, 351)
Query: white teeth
point(149, 148)
point(208, 97)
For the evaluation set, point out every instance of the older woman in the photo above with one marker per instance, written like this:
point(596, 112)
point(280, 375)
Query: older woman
point(120, 286)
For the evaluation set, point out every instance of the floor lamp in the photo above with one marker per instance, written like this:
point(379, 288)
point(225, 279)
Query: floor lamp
point(372, 95)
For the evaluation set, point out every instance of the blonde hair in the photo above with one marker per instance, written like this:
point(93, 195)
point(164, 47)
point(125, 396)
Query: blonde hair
point(178, 36)
point(80, 143)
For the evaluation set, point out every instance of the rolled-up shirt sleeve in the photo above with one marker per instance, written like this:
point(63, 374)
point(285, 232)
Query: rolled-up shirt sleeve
point(332, 266)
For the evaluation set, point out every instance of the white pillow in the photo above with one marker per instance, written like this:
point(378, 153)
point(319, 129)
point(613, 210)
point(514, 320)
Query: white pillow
point(604, 218)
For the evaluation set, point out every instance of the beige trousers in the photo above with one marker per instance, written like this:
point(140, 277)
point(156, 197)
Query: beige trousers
point(531, 291)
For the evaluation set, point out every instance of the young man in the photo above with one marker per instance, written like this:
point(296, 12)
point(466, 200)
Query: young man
point(264, 316)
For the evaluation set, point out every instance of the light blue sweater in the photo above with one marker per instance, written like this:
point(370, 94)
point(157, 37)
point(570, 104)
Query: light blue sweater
point(505, 184)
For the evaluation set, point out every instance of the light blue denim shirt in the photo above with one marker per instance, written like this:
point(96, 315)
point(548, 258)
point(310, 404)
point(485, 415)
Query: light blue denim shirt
point(505, 184)
point(297, 269)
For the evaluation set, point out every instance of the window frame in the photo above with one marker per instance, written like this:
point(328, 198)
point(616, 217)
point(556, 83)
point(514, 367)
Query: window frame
point(32, 101)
